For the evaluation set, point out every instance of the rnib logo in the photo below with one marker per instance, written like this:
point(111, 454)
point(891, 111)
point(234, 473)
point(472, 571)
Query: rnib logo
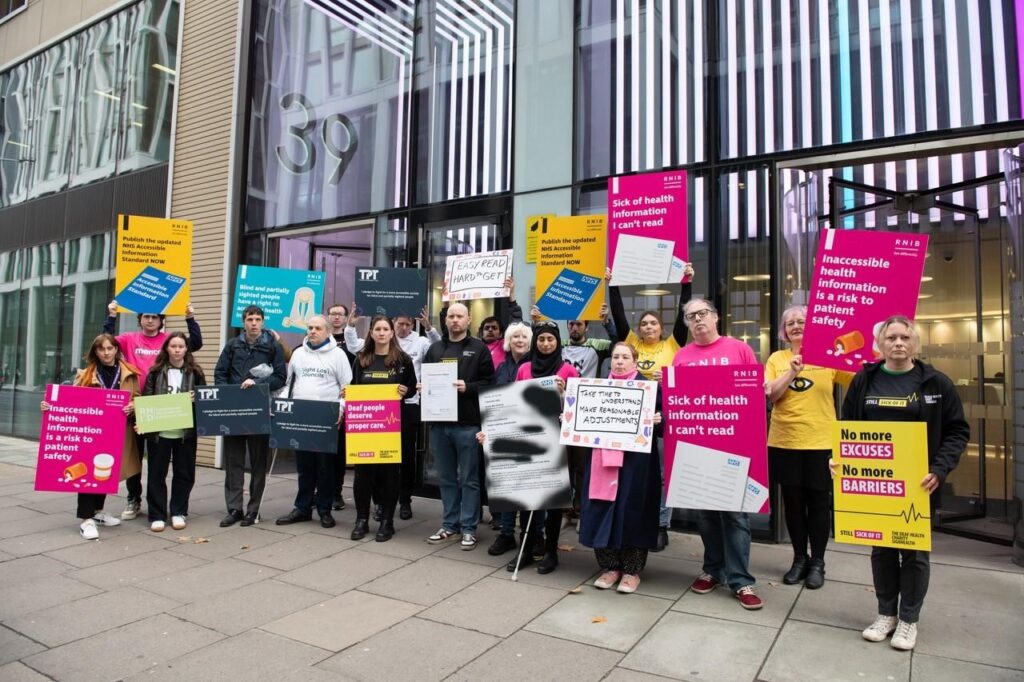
point(283, 406)
point(368, 275)
point(208, 393)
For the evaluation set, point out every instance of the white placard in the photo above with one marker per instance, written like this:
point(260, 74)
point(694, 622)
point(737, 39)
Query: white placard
point(642, 260)
point(704, 478)
point(440, 398)
point(477, 275)
point(526, 466)
point(615, 414)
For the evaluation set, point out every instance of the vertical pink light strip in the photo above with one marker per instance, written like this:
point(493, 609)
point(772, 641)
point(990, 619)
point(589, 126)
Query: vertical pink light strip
point(1019, 5)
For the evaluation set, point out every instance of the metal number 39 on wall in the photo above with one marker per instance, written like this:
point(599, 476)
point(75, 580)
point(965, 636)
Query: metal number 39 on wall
point(305, 133)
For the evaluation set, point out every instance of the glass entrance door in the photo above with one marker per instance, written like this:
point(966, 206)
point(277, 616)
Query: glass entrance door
point(962, 314)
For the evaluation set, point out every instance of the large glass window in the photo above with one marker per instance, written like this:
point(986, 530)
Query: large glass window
point(640, 86)
point(329, 111)
point(464, 86)
point(808, 73)
point(95, 104)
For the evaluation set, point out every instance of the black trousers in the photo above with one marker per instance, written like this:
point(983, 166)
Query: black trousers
point(162, 453)
point(234, 470)
point(808, 518)
point(316, 474)
point(89, 504)
point(410, 467)
point(134, 483)
point(381, 482)
point(630, 561)
point(901, 581)
point(339, 463)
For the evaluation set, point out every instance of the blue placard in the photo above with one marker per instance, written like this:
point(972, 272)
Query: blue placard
point(228, 410)
point(568, 295)
point(288, 297)
point(390, 291)
point(310, 425)
point(151, 292)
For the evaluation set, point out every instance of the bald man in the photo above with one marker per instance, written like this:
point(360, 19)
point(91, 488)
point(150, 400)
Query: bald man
point(454, 445)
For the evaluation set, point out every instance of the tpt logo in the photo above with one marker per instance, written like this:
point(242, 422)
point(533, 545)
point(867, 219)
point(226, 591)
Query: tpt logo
point(368, 275)
point(283, 406)
point(207, 393)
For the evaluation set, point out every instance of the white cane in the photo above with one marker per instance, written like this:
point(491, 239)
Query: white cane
point(522, 546)
point(273, 458)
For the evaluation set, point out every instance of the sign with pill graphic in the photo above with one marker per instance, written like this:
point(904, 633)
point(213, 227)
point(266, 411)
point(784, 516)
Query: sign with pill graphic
point(861, 278)
point(81, 439)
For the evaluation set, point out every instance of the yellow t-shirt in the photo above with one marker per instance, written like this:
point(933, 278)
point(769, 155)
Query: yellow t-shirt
point(652, 356)
point(802, 418)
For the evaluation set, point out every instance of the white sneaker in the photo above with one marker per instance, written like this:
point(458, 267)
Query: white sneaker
point(905, 636)
point(104, 519)
point(880, 629)
point(468, 541)
point(177, 522)
point(157, 526)
point(88, 530)
point(131, 510)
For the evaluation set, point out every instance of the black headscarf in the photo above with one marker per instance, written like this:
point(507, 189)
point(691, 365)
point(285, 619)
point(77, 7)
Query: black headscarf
point(545, 365)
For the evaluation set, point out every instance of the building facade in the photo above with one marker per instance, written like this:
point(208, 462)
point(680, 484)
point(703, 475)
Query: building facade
point(331, 134)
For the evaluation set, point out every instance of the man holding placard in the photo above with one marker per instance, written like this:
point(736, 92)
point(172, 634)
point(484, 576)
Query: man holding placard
point(253, 357)
point(454, 444)
point(319, 370)
point(726, 534)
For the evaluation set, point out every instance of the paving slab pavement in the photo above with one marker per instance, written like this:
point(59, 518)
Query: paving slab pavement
point(301, 602)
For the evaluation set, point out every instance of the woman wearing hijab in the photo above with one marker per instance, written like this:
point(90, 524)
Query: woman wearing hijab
point(546, 361)
point(621, 497)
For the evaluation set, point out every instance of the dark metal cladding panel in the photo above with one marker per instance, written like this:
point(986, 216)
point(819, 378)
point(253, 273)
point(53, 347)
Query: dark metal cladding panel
point(45, 220)
point(90, 209)
point(141, 193)
point(12, 227)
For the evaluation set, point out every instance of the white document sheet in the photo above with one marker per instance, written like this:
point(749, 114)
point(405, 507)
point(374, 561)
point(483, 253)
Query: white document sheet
point(754, 496)
point(703, 478)
point(642, 260)
point(440, 398)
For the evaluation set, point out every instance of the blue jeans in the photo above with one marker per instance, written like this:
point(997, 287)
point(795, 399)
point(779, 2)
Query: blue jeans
point(726, 537)
point(456, 454)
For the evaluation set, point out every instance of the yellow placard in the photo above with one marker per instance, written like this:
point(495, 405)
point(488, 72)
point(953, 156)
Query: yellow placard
point(154, 264)
point(571, 257)
point(535, 226)
point(878, 495)
point(373, 424)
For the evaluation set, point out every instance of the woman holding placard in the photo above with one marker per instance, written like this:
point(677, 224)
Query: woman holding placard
point(621, 497)
point(654, 353)
point(174, 371)
point(546, 361)
point(901, 388)
point(106, 368)
point(382, 361)
point(800, 445)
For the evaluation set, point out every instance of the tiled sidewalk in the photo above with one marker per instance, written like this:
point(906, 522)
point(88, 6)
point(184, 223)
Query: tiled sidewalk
point(304, 603)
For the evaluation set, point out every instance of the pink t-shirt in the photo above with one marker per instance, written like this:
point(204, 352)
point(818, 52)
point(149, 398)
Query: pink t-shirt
point(141, 350)
point(497, 349)
point(724, 350)
point(566, 371)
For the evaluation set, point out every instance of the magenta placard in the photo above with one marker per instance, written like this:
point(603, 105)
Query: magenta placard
point(648, 206)
point(81, 439)
point(861, 277)
point(720, 408)
point(373, 416)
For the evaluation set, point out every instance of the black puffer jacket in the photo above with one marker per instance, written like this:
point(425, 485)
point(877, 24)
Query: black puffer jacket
point(239, 357)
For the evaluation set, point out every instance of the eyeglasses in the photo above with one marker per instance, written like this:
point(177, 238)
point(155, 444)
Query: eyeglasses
point(795, 323)
point(336, 314)
point(697, 314)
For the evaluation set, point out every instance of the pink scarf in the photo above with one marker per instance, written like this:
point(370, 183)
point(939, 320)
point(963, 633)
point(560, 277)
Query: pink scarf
point(605, 464)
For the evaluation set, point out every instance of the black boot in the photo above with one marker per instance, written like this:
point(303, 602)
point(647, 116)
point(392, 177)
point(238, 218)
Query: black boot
point(549, 563)
point(386, 530)
point(378, 513)
point(527, 560)
point(797, 572)
point(360, 530)
point(815, 574)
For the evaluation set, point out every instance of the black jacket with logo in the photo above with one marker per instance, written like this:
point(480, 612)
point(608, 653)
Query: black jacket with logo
point(475, 368)
point(940, 409)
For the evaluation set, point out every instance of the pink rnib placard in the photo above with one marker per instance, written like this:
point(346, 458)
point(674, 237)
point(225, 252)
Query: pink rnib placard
point(81, 440)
